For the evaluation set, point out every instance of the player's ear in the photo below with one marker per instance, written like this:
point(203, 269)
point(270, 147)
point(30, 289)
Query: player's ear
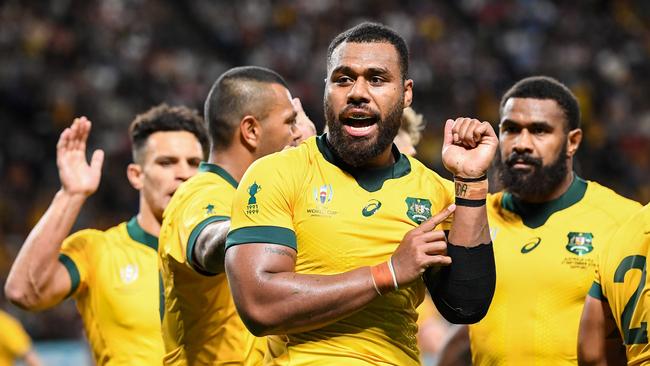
point(408, 92)
point(573, 142)
point(135, 176)
point(251, 132)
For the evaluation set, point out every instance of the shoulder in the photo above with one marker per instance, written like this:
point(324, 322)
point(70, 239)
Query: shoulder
point(201, 187)
point(610, 203)
point(89, 236)
point(429, 176)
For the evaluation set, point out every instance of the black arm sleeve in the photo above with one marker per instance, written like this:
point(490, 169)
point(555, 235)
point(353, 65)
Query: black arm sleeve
point(463, 291)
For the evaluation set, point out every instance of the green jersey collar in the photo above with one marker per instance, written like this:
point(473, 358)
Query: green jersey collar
point(369, 179)
point(138, 234)
point(213, 168)
point(535, 215)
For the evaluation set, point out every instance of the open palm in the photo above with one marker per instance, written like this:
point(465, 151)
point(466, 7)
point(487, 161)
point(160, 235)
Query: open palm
point(469, 147)
point(77, 176)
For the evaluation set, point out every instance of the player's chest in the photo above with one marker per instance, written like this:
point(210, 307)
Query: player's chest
point(127, 287)
point(553, 252)
point(344, 224)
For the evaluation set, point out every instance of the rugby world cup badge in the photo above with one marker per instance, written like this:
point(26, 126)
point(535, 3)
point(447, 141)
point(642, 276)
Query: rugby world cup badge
point(129, 273)
point(252, 207)
point(324, 194)
point(418, 209)
point(580, 243)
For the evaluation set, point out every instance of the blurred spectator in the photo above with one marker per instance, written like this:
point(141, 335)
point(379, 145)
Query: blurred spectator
point(112, 58)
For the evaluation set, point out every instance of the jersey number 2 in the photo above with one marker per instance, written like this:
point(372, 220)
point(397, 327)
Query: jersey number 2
point(632, 335)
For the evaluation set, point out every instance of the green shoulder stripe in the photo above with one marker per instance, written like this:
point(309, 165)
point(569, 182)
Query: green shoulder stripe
point(597, 292)
point(262, 234)
point(192, 241)
point(73, 271)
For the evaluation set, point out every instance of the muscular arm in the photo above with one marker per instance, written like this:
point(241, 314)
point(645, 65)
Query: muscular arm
point(209, 249)
point(37, 279)
point(272, 299)
point(599, 342)
point(463, 291)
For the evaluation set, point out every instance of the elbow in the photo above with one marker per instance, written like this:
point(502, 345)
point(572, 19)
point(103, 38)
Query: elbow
point(469, 314)
point(18, 296)
point(588, 357)
point(259, 320)
point(23, 298)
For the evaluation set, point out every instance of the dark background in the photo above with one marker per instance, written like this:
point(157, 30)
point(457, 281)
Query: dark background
point(110, 60)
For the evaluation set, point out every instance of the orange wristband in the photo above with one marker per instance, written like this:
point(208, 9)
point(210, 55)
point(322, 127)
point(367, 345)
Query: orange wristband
point(471, 189)
point(382, 278)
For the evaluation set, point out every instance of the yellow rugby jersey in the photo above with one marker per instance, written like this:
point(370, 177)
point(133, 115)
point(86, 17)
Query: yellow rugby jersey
point(622, 281)
point(337, 222)
point(14, 341)
point(545, 257)
point(116, 285)
point(200, 323)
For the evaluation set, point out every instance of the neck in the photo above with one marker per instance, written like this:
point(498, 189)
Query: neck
point(384, 159)
point(235, 160)
point(147, 220)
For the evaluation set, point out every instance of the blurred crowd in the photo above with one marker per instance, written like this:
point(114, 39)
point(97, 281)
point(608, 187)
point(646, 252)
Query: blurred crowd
point(112, 59)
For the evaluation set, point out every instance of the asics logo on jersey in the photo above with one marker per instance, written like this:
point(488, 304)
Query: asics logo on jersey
point(580, 243)
point(370, 208)
point(531, 245)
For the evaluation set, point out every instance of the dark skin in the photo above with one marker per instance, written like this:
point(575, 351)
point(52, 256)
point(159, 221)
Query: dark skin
point(599, 342)
point(537, 127)
point(254, 138)
point(271, 297)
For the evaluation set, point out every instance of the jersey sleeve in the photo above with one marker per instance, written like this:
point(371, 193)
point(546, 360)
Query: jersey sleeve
point(596, 290)
point(76, 255)
point(14, 338)
point(203, 208)
point(262, 210)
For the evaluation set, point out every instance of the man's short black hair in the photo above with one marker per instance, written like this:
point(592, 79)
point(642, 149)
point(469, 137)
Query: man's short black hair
point(162, 118)
point(368, 32)
point(544, 87)
point(238, 92)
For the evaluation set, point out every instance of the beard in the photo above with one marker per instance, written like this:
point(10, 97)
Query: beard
point(357, 151)
point(537, 183)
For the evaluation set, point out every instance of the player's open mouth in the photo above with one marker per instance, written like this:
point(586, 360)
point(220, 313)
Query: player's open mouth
point(359, 124)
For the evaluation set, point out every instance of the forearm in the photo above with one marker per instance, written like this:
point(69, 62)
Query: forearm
point(470, 226)
point(37, 262)
point(463, 291)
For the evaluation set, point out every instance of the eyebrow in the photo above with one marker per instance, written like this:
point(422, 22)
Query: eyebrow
point(534, 124)
point(369, 71)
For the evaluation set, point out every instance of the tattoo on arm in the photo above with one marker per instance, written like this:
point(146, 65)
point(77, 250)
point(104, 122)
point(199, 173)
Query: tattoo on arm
point(279, 251)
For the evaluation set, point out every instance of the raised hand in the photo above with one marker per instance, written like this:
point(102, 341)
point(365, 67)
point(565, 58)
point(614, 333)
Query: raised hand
point(76, 175)
point(421, 248)
point(469, 147)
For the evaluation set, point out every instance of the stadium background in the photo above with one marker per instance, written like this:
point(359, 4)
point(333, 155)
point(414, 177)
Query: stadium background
point(112, 59)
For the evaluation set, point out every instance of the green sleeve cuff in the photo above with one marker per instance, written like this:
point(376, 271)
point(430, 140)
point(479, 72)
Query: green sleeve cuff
point(73, 271)
point(597, 292)
point(262, 234)
point(189, 254)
